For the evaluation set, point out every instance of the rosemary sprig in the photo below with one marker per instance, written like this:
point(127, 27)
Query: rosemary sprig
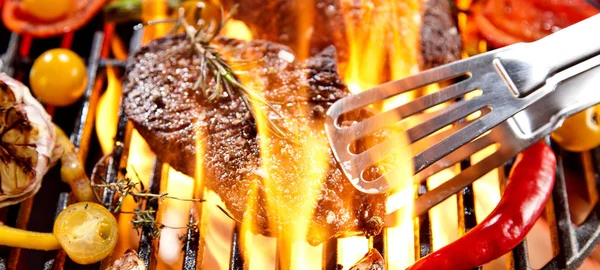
point(199, 38)
point(141, 218)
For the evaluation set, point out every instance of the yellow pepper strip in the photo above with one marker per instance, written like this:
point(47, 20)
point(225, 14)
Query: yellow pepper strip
point(72, 171)
point(27, 239)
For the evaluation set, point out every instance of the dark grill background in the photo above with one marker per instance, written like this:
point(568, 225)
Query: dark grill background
point(571, 244)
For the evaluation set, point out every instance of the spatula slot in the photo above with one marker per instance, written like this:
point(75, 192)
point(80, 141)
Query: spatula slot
point(366, 131)
point(460, 181)
point(445, 117)
point(396, 167)
point(399, 93)
point(377, 107)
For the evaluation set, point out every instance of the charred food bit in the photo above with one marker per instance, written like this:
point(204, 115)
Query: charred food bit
point(160, 101)
point(371, 261)
point(129, 261)
point(30, 145)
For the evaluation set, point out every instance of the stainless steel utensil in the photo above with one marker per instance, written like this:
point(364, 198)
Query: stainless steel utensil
point(530, 78)
point(575, 89)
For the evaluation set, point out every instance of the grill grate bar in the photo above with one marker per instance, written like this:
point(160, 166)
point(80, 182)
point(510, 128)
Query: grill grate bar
point(236, 261)
point(190, 247)
point(7, 59)
point(518, 258)
point(7, 64)
point(119, 154)
point(468, 203)
point(423, 235)
point(330, 253)
point(566, 234)
point(145, 244)
point(574, 243)
point(379, 243)
point(113, 62)
point(63, 201)
point(80, 137)
point(16, 257)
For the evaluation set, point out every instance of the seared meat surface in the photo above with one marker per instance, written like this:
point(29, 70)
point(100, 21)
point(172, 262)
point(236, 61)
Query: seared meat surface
point(315, 24)
point(161, 103)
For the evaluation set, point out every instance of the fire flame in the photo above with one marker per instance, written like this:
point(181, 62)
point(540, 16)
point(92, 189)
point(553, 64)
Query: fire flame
point(174, 214)
point(382, 40)
point(372, 62)
point(107, 116)
point(290, 209)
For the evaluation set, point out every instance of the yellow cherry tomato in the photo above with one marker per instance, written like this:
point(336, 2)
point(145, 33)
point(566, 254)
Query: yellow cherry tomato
point(580, 132)
point(58, 77)
point(86, 231)
point(207, 10)
point(47, 10)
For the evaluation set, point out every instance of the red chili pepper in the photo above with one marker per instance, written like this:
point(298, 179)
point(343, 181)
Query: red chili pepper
point(529, 186)
point(17, 20)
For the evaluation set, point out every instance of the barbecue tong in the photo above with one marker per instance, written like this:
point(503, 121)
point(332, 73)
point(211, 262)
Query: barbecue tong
point(525, 91)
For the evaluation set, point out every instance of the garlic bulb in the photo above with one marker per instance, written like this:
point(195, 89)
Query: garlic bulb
point(28, 142)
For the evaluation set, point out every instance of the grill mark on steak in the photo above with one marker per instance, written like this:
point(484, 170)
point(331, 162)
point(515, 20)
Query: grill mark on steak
point(160, 102)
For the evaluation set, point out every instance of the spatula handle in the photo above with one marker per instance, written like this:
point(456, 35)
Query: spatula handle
point(571, 45)
point(526, 66)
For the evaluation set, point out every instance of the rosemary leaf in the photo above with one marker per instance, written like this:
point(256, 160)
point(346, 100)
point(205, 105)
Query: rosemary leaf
point(200, 38)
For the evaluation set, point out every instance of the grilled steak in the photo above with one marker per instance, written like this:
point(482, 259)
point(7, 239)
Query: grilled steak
point(327, 22)
point(160, 101)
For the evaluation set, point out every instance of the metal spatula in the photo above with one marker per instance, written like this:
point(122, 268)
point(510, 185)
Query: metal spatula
point(507, 80)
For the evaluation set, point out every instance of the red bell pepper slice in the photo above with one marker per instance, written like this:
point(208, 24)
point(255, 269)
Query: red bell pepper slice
point(504, 22)
point(529, 186)
point(17, 20)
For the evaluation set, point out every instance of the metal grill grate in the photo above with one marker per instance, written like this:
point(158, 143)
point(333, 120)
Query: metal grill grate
point(573, 243)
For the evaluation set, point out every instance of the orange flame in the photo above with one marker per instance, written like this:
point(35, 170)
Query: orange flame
point(383, 45)
point(106, 123)
point(154, 10)
point(382, 40)
point(107, 112)
point(290, 209)
point(237, 29)
point(141, 157)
